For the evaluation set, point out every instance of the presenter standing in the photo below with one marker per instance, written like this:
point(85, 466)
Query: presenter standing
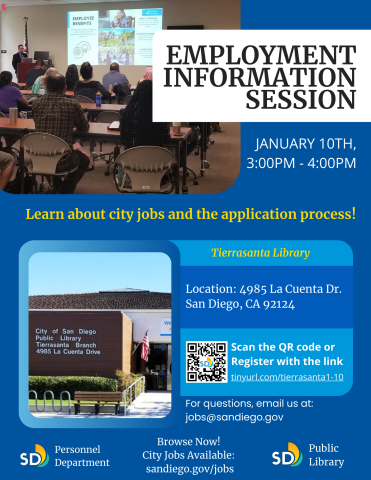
point(17, 58)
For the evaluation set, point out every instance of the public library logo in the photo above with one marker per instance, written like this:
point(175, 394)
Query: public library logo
point(293, 457)
point(38, 459)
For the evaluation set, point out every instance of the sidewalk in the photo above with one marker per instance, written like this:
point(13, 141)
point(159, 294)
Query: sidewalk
point(153, 404)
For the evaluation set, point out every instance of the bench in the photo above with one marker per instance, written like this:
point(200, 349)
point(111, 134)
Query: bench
point(97, 399)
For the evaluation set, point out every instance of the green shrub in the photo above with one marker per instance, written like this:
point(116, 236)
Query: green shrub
point(71, 384)
point(125, 380)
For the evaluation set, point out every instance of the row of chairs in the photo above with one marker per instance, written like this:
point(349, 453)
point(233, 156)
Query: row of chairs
point(147, 166)
point(150, 168)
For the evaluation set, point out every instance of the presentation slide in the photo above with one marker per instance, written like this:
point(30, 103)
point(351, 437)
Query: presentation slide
point(106, 36)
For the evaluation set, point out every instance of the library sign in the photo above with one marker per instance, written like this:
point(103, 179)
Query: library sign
point(79, 343)
point(65, 342)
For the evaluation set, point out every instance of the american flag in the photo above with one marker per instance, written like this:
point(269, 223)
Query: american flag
point(25, 37)
point(145, 347)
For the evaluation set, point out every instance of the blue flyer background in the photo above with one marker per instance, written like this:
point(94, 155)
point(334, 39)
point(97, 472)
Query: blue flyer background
point(342, 420)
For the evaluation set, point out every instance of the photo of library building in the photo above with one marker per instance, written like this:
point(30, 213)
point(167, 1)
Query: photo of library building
point(95, 334)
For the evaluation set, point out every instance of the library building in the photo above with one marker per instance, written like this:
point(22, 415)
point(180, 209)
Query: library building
point(95, 334)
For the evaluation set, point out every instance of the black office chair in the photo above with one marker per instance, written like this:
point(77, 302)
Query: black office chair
point(126, 100)
point(82, 99)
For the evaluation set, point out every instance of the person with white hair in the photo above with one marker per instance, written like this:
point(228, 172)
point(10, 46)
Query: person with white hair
point(41, 80)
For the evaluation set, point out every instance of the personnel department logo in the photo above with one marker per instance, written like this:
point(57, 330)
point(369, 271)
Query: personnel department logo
point(38, 459)
point(293, 457)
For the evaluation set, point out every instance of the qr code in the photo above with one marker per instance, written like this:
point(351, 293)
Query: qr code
point(207, 362)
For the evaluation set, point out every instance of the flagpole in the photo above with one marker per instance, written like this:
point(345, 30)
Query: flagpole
point(26, 35)
point(140, 342)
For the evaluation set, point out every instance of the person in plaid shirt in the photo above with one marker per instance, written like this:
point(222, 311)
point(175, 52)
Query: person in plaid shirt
point(57, 114)
point(124, 21)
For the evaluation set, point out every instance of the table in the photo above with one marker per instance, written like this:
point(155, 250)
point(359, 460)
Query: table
point(23, 127)
point(93, 110)
point(22, 124)
point(106, 107)
point(69, 93)
point(99, 131)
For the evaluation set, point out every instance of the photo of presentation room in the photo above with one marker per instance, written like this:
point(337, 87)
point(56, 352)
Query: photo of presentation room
point(195, 157)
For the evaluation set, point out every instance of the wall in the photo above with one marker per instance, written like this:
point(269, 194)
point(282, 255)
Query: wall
point(113, 340)
point(127, 343)
point(144, 320)
point(47, 26)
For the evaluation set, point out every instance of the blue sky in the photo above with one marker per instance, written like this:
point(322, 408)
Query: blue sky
point(67, 272)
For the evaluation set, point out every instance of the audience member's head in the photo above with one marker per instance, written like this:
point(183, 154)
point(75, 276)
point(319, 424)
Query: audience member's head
point(147, 75)
point(55, 83)
point(50, 71)
point(39, 63)
point(72, 76)
point(115, 66)
point(5, 78)
point(20, 48)
point(86, 71)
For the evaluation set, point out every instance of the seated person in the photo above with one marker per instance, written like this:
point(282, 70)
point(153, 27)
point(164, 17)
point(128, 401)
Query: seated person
point(35, 73)
point(88, 87)
point(114, 76)
point(137, 128)
point(57, 114)
point(6, 168)
point(41, 80)
point(72, 76)
point(147, 74)
point(9, 96)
